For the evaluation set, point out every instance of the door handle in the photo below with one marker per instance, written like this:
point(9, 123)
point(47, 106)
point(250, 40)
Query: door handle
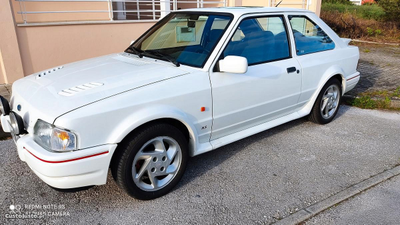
point(291, 69)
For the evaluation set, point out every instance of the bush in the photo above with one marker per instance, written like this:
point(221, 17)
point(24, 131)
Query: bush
point(371, 12)
point(392, 9)
point(349, 26)
point(343, 2)
point(365, 11)
point(375, 22)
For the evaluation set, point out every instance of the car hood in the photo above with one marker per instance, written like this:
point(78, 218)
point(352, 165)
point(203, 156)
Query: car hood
point(59, 90)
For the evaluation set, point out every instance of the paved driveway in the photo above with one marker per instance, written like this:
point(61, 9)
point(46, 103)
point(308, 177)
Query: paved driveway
point(378, 205)
point(253, 181)
point(379, 68)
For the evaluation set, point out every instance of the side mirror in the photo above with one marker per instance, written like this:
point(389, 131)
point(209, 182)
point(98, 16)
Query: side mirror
point(233, 64)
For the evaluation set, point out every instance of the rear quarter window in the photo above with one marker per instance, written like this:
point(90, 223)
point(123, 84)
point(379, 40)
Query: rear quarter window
point(308, 36)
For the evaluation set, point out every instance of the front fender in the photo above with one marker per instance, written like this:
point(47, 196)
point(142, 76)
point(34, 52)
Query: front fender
point(148, 114)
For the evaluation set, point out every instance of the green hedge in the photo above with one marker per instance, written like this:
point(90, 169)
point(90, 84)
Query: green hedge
point(365, 11)
point(343, 2)
point(392, 9)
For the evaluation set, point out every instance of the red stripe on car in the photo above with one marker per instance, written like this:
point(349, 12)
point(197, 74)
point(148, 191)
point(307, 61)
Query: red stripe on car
point(67, 160)
point(353, 77)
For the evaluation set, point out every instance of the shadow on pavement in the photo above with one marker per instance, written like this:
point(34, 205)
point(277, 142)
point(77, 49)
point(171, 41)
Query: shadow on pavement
point(199, 165)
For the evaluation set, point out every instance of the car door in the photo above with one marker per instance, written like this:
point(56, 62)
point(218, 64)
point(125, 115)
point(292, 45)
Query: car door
point(271, 86)
point(315, 52)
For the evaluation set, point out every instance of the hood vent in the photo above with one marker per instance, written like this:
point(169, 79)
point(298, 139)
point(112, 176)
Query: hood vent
point(48, 72)
point(80, 88)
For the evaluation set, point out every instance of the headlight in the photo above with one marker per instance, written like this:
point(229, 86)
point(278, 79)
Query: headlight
point(4, 106)
point(53, 138)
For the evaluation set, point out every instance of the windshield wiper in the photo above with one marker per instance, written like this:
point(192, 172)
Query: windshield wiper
point(136, 51)
point(162, 55)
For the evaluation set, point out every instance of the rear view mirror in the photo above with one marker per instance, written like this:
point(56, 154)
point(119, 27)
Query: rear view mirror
point(191, 24)
point(233, 64)
point(184, 34)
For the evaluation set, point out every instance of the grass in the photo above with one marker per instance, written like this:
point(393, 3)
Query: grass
point(376, 99)
point(396, 93)
point(366, 102)
point(383, 93)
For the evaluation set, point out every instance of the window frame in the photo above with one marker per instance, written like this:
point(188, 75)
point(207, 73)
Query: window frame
point(289, 16)
point(284, 22)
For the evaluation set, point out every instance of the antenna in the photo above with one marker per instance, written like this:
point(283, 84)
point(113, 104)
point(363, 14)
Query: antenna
point(278, 3)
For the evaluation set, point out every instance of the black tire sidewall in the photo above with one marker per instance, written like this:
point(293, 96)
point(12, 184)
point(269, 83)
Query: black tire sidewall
point(126, 163)
point(317, 106)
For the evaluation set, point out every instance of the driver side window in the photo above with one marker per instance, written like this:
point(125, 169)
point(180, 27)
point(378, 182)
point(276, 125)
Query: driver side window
point(261, 39)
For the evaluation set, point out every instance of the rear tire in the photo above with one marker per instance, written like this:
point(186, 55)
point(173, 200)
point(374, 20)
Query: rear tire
point(151, 162)
point(327, 104)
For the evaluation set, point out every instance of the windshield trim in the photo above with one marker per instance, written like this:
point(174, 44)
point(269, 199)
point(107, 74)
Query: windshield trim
point(168, 17)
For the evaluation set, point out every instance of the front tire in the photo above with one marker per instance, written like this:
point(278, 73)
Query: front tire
point(327, 104)
point(151, 162)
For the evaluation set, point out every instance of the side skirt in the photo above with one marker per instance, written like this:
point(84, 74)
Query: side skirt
point(250, 131)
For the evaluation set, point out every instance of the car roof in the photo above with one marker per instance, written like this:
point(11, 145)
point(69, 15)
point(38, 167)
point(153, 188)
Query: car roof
point(238, 11)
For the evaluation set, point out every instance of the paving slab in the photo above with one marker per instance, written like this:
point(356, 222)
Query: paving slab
point(344, 195)
point(379, 68)
point(378, 205)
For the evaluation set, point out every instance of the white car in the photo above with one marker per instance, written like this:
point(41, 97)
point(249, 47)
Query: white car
point(195, 81)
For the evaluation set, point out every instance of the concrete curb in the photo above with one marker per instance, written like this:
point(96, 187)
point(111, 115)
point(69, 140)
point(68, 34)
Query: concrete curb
point(394, 102)
point(311, 211)
point(374, 42)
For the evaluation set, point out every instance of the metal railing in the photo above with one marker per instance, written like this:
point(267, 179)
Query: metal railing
point(114, 10)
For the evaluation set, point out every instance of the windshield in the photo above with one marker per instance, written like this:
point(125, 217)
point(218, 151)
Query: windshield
point(183, 38)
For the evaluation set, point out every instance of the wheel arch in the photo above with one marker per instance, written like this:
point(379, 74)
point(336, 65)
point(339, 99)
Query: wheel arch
point(125, 159)
point(178, 119)
point(341, 79)
point(171, 121)
point(334, 72)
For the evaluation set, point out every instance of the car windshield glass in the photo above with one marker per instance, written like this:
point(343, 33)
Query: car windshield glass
point(182, 38)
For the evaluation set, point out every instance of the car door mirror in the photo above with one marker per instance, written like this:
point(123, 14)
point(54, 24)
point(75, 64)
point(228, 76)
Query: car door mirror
point(233, 64)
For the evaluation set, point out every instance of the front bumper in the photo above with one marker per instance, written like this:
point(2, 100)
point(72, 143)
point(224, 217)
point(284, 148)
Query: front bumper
point(67, 170)
point(80, 168)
